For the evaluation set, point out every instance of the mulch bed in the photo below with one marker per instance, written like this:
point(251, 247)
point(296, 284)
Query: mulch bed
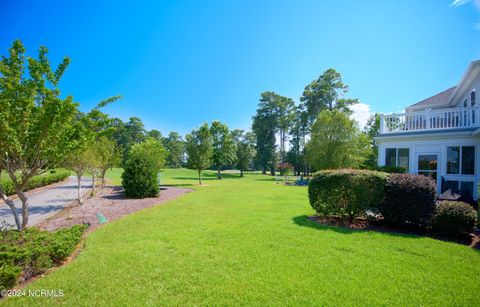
point(472, 240)
point(111, 202)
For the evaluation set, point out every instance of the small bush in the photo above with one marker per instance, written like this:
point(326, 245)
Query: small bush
point(37, 181)
point(453, 218)
point(346, 192)
point(32, 251)
point(409, 200)
point(140, 178)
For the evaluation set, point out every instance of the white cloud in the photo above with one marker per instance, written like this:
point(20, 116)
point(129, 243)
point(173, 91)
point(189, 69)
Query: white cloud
point(361, 113)
point(457, 3)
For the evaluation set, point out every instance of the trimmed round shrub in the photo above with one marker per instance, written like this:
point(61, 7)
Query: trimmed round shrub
point(409, 200)
point(346, 193)
point(139, 178)
point(453, 218)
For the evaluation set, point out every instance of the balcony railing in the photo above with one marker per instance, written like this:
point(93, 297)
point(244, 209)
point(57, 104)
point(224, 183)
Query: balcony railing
point(468, 117)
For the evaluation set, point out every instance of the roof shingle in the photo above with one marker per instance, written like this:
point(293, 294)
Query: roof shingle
point(438, 99)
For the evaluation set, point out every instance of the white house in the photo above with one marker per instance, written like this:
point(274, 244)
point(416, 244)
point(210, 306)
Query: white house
point(438, 136)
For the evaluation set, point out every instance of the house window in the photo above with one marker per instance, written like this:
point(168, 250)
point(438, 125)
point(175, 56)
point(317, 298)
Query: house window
point(461, 160)
point(468, 160)
point(455, 185)
point(397, 157)
point(453, 160)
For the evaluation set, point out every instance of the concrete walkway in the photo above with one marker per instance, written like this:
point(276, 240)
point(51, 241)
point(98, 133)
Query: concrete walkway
point(46, 201)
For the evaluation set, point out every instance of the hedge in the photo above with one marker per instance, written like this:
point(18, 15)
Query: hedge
point(346, 193)
point(409, 200)
point(32, 251)
point(453, 218)
point(37, 181)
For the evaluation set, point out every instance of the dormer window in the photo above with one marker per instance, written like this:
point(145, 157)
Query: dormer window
point(465, 103)
point(472, 98)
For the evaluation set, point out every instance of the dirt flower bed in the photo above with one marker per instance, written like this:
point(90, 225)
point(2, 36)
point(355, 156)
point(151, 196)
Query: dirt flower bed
point(109, 201)
point(472, 240)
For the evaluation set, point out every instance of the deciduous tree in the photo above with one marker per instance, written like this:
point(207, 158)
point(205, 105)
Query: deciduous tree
point(336, 142)
point(175, 148)
point(199, 150)
point(36, 123)
point(245, 151)
point(223, 147)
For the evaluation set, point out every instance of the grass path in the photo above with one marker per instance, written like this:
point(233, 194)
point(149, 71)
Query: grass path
point(247, 241)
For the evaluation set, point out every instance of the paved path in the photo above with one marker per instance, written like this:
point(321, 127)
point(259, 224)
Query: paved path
point(46, 201)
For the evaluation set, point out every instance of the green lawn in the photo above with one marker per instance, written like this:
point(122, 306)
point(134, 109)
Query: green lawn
point(247, 241)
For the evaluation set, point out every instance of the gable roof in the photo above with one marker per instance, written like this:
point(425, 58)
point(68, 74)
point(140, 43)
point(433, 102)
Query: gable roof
point(437, 100)
point(450, 97)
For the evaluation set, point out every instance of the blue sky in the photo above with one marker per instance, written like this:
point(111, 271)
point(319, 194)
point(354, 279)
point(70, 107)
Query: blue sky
point(181, 63)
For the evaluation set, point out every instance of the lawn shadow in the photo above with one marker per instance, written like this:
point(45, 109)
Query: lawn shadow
point(266, 179)
point(179, 185)
point(304, 221)
point(209, 176)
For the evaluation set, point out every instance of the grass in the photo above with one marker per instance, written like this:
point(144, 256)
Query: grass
point(248, 241)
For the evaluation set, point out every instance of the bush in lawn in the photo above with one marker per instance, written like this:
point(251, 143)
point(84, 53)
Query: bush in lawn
point(139, 178)
point(32, 251)
point(285, 168)
point(346, 192)
point(453, 218)
point(409, 200)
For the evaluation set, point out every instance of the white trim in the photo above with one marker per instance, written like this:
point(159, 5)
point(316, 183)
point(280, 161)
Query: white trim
point(467, 78)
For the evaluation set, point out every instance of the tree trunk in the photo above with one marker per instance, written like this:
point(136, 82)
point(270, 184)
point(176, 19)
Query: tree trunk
point(219, 174)
point(79, 188)
point(104, 172)
point(11, 204)
point(241, 173)
point(264, 170)
point(272, 170)
point(94, 190)
point(200, 177)
point(25, 204)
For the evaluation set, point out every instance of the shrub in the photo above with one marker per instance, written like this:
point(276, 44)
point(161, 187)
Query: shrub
point(139, 178)
point(285, 168)
point(346, 192)
point(391, 169)
point(409, 200)
point(33, 251)
point(453, 218)
point(37, 181)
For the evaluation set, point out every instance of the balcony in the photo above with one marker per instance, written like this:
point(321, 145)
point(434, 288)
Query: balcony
point(430, 120)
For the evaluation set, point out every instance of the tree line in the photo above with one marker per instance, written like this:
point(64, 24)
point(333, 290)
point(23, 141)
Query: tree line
point(319, 131)
point(41, 130)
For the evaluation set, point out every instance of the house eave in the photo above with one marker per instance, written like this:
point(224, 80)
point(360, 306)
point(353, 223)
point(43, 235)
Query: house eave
point(472, 71)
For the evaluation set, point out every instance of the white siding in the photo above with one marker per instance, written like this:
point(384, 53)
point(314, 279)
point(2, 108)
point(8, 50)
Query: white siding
point(437, 146)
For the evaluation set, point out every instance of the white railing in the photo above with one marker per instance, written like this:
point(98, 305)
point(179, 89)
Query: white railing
point(451, 118)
